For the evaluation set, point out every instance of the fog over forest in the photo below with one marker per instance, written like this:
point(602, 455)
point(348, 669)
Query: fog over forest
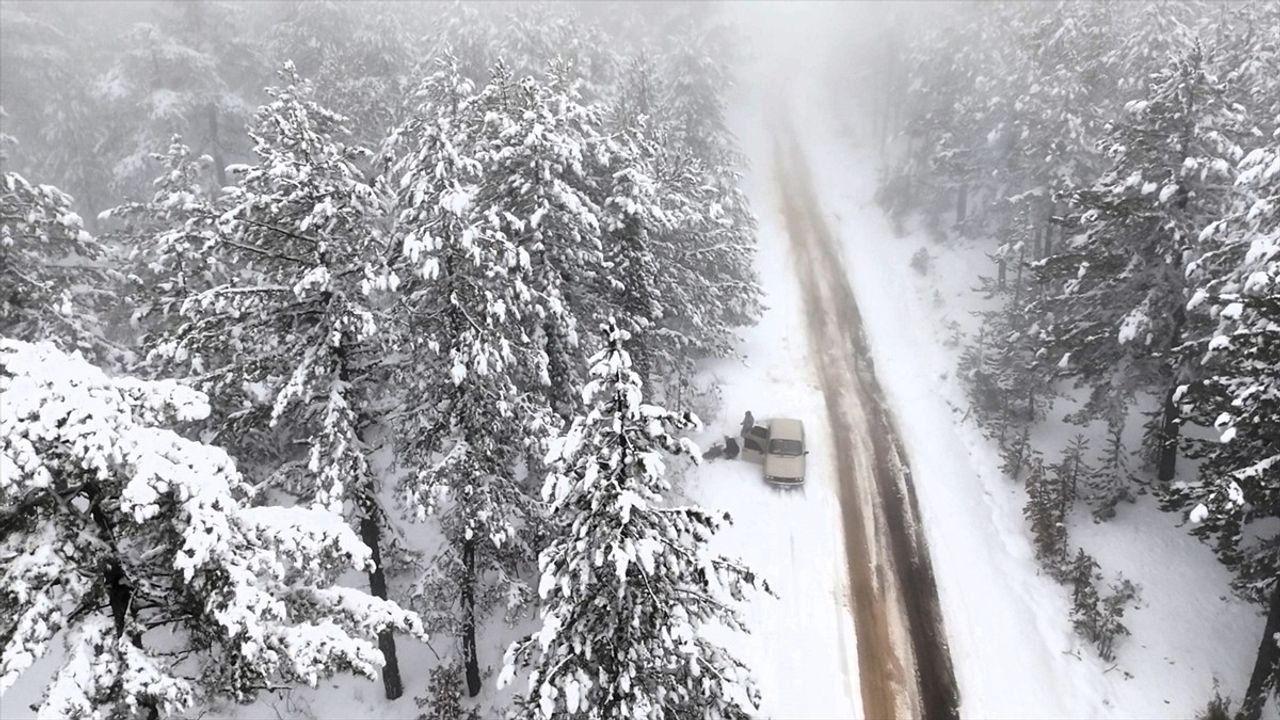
point(639, 359)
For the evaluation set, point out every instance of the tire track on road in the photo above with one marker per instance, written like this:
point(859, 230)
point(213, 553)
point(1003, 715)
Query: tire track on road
point(904, 663)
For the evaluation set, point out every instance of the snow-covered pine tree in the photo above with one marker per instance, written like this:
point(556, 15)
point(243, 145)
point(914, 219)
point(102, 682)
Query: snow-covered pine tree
point(1236, 496)
point(142, 549)
point(466, 35)
point(706, 257)
point(1082, 575)
point(47, 101)
point(1118, 292)
point(170, 241)
point(628, 582)
point(467, 309)
point(1060, 100)
point(543, 171)
point(54, 282)
point(1097, 619)
point(1110, 612)
point(636, 228)
point(550, 39)
point(1046, 511)
point(1007, 373)
point(294, 333)
point(1110, 482)
point(193, 72)
point(359, 57)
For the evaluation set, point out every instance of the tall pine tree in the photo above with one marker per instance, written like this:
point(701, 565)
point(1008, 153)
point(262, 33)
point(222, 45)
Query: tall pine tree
point(628, 582)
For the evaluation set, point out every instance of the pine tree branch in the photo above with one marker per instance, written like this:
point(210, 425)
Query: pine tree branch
point(264, 253)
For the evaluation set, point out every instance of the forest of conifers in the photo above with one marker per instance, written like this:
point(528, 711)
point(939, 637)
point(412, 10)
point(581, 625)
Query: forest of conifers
point(1124, 160)
point(327, 296)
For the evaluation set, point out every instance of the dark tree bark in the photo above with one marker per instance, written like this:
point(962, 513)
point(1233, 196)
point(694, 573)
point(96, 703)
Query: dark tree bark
point(469, 657)
point(371, 534)
point(215, 147)
point(1266, 668)
point(1171, 420)
point(119, 593)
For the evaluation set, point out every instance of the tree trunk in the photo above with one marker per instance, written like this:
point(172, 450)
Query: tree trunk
point(559, 372)
point(1266, 668)
point(962, 202)
point(371, 534)
point(215, 148)
point(119, 592)
point(469, 618)
point(1017, 280)
point(1048, 229)
point(120, 595)
point(1171, 421)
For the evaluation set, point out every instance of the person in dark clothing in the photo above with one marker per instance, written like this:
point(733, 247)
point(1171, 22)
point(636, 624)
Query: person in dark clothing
point(730, 448)
point(748, 422)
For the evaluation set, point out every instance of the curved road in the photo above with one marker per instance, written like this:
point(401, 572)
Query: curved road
point(904, 663)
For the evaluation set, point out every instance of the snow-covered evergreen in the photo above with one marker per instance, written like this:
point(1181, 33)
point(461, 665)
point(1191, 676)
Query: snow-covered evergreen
point(469, 302)
point(628, 581)
point(143, 550)
point(50, 266)
point(293, 335)
point(171, 241)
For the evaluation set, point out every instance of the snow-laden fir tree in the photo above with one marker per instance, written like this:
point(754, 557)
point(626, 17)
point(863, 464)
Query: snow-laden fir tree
point(1007, 370)
point(194, 71)
point(628, 582)
point(47, 100)
point(714, 234)
point(542, 172)
point(358, 56)
point(678, 218)
point(53, 283)
point(1046, 511)
point(1118, 289)
point(469, 308)
point(1082, 574)
point(1235, 499)
point(141, 549)
point(550, 39)
point(636, 227)
point(293, 335)
point(170, 241)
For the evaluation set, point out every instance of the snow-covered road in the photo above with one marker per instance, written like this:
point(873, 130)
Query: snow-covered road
point(802, 647)
point(901, 642)
point(844, 553)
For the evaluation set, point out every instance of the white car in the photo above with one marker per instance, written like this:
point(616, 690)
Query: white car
point(784, 461)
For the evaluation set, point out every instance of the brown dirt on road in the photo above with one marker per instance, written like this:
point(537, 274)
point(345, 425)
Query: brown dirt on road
point(904, 663)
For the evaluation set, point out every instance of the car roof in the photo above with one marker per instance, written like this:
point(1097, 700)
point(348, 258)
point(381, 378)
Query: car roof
point(786, 429)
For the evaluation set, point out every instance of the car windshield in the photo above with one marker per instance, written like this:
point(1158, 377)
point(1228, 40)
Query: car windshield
point(785, 447)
